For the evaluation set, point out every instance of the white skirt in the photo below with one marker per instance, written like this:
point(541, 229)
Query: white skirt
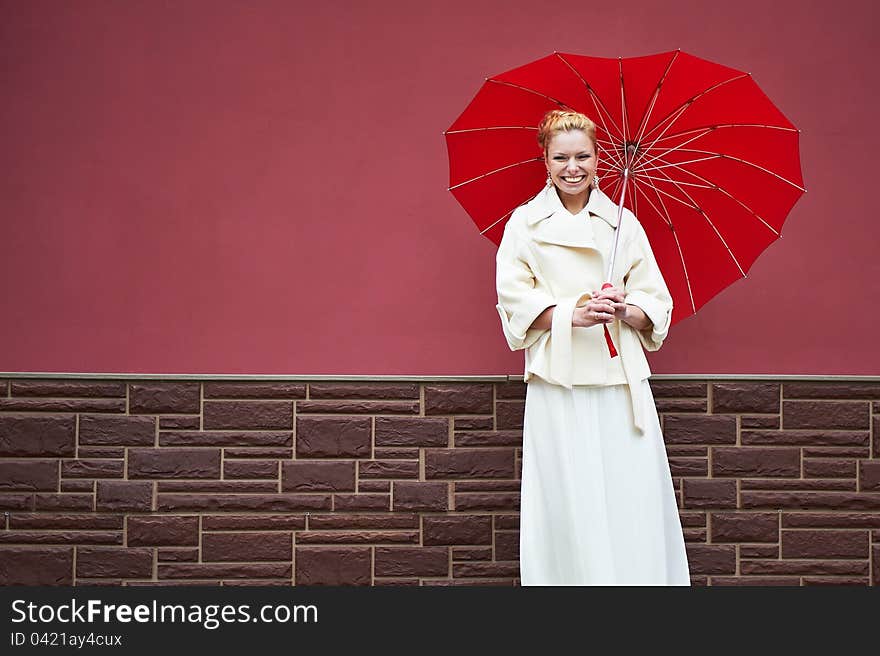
point(597, 503)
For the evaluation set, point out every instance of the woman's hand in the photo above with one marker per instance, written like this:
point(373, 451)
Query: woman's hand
point(615, 296)
point(596, 311)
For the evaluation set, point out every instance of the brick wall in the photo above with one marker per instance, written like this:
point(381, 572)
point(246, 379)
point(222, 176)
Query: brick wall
point(132, 482)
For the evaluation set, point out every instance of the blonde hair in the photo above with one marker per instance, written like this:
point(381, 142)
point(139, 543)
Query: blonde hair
point(557, 120)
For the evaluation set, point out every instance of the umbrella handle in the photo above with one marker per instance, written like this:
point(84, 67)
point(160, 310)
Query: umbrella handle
point(611, 350)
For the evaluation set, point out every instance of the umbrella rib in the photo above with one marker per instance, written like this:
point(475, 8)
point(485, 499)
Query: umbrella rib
point(599, 104)
point(665, 214)
point(623, 113)
point(710, 128)
point(503, 168)
point(493, 127)
point(741, 161)
point(495, 223)
point(703, 213)
point(687, 184)
point(710, 185)
point(676, 112)
point(522, 88)
point(650, 109)
point(669, 150)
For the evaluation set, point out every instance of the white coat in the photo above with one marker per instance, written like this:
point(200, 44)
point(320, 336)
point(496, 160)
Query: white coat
point(550, 257)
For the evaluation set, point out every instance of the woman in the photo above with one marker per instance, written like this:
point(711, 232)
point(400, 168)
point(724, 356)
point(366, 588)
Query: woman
point(597, 503)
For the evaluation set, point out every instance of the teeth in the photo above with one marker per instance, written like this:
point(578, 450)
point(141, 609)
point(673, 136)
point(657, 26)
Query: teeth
point(577, 179)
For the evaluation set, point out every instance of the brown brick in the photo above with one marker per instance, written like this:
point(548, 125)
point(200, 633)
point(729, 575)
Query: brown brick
point(833, 415)
point(699, 493)
point(469, 463)
point(82, 502)
point(28, 475)
point(85, 468)
point(250, 547)
point(333, 566)
point(745, 527)
point(421, 496)
point(829, 468)
point(496, 569)
point(472, 423)
point(753, 461)
point(84, 522)
point(29, 435)
point(254, 522)
point(61, 537)
point(173, 463)
point(357, 537)
point(824, 544)
point(77, 485)
point(509, 415)
point(820, 567)
point(869, 475)
point(224, 571)
point(162, 531)
point(458, 399)
point(837, 580)
point(457, 529)
point(711, 559)
point(831, 390)
point(745, 397)
point(67, 388)
point(222, 487)
point(695, 535)
point(831, 520)
point(243, 502)
point(359, 407)
point(257, 415)
point(504, 501)
point(806, 484)
point(250, 469)
point(489, 438)
point(675, 388)
point(255, 390)
point(333, 437)
point(759, 421)
point(689, 466)
point(310, 476)
point(267, 452)
point(367, 502)
point(696, 429)
point(506, 522)
point(759, 551)
point(875, 559)
point(487, 486)
point(97, 563)
point(811, 500)
point(687, 451)
point(810, 438)
point(121, 431)
point(62, 405)
point(506, 545)
point(374, 486)
point(775, 581)
point(225, 438)
point(511, 390)
point(36, 566)
point(692, 518)
point(178, 555)
point(388, 469)
point(399, 453)
point(681, 405)
point(163, 397)
point(412, 561)
point(472, 553)
point(836, 452)
point(124, 496)
point(364, 521)
point(180, 422)
point(364, 391)
point(113, 452)
point(412, 431)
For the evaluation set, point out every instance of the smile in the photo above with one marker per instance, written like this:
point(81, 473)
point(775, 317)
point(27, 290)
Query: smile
point(574, 179)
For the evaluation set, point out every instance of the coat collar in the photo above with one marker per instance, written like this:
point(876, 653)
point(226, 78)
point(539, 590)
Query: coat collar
point(547, 203)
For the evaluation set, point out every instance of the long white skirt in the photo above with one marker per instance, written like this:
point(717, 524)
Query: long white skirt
point(597, 503)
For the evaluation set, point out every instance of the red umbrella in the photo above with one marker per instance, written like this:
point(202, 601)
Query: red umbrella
point(702, 157)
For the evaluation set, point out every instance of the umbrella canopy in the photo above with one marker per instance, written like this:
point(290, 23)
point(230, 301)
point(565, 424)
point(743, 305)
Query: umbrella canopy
point(712, 165)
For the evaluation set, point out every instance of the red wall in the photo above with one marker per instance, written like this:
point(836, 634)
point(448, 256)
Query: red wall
point(228, 187)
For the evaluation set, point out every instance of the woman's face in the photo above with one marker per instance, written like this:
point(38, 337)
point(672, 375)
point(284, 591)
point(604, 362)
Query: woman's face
point(571, 161)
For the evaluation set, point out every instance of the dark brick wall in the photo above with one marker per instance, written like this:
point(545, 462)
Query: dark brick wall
point(172, 482)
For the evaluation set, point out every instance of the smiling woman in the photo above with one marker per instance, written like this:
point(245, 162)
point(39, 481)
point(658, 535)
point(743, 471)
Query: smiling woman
point(596, 485)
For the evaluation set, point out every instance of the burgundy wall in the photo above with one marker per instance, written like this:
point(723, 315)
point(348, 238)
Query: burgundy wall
point(228, 187)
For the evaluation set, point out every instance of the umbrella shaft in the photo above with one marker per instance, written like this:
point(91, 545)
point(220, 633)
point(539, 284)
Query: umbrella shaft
point(619, 217)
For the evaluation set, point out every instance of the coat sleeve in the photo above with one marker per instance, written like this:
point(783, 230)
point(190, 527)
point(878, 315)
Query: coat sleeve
point(645, 288)
point(519, 300)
